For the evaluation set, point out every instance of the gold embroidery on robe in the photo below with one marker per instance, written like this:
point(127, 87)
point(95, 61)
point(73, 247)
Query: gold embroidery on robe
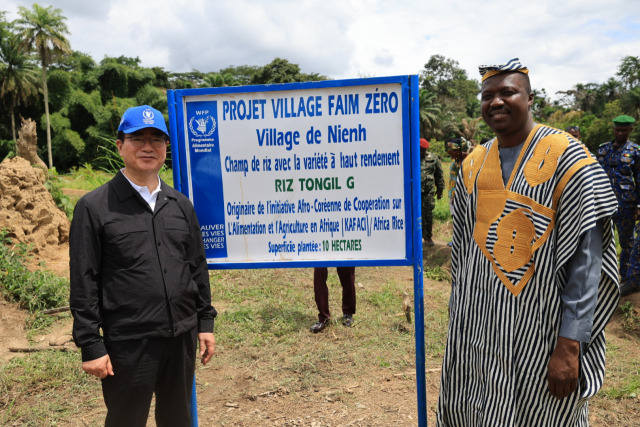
point(543, 163)
point(471, 166)
point(516, 239)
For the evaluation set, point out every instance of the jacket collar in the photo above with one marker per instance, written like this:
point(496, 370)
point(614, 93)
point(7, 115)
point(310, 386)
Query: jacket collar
point(124, 190)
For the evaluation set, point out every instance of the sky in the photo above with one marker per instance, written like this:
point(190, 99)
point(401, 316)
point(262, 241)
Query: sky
point(562, 42)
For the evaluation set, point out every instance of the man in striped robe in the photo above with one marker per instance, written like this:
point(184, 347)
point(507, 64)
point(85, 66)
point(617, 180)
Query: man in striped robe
point(534, 271)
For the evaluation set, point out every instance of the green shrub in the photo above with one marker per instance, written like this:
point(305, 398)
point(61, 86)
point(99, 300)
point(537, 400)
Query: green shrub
point(54, 186)
point(34, 291)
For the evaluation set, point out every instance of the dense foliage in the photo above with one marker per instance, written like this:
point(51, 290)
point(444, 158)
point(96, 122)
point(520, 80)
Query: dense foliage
point(86, 98)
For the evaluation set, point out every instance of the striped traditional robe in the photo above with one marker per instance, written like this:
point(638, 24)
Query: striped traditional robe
point(510, 250)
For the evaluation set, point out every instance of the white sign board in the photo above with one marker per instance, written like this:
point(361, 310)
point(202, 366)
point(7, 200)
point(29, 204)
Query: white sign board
point(298, 172)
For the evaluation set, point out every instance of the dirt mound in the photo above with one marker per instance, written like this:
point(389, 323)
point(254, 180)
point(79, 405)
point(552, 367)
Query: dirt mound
point(28, 211)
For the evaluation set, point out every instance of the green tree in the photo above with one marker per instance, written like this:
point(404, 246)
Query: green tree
point(429, 114)
point(121, 77)
point(243, 74)
point(630, 103)
point(162, 77)
point(597, 129)
point(439, 72)
point(80, 67)
point(610, 90)
point(43, 30)
point(18, 77)
point(629, 71)
point(220, 80)
point(455, 93)
point(454, 90)
point(282, 71)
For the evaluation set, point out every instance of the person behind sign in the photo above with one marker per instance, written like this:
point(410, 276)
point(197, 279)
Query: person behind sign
point(140, 294)
point(573, 131)
point(457, 149)
point(347, 276)
point(534, 272)
point(431, 177)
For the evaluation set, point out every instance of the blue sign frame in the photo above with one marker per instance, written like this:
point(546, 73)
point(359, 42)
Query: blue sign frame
point(179, 101)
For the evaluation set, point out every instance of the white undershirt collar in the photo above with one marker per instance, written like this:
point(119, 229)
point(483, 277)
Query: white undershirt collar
point(150, 198)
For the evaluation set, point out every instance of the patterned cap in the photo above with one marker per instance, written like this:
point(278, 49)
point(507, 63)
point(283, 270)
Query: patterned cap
point(624, 120)
point(514, 64)
point(458, 144)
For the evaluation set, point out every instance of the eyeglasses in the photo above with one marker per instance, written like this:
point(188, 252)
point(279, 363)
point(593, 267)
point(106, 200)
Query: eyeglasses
point(155, 141)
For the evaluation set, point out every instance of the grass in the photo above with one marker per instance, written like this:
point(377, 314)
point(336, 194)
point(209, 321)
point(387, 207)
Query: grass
point(33, 291)
point(35, 390)
point(631, 319)
point(262, 326)
point(276, 307)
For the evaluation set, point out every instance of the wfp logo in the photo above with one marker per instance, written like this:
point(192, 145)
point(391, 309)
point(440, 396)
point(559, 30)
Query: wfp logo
point(147, 116)
point(201, 127)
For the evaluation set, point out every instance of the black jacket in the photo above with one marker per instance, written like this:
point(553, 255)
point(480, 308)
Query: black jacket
point(135, 273)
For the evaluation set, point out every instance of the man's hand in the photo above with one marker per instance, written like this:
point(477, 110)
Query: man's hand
point(563, 368)
point(100, 367)
point(207, 346)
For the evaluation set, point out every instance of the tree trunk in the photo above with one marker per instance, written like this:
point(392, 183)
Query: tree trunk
point(45, 91)
point(13, 125)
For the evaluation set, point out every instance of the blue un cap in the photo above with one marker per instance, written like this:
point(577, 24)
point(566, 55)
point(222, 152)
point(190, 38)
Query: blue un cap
point(142, 117)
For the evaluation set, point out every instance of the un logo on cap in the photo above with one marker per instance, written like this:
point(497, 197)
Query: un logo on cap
point(147, 116)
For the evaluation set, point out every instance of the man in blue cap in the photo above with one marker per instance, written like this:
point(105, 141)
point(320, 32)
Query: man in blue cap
point(140, 294)
point(534, 278)
point(620, 158)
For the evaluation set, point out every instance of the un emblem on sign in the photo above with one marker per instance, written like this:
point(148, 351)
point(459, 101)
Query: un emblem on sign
point(202, 127)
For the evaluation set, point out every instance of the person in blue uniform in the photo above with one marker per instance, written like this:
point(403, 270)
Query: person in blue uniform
point(620, 158)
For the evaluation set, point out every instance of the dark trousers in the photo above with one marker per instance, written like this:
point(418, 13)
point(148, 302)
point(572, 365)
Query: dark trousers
point(347, 277)
point(141, 367)
point(625, 222)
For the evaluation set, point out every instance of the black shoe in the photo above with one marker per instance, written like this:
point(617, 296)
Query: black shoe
point(319, 326)
point(347, 320)
point(628, 288)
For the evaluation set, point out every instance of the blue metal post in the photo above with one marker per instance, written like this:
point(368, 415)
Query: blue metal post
point(175, 146)
point(418, 290)
point(194, 404)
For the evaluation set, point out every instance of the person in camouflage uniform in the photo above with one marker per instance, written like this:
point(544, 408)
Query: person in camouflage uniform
point(620, 159)
point(457, 149)
point(431, 177)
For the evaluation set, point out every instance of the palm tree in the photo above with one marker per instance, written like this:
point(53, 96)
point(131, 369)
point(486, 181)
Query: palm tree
point(630, 103)
point(611, 89)
point(585, 96)
point(43, 30)
point(469, 127)
point(220, 80)
point(18, 77)
point(429, 113)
